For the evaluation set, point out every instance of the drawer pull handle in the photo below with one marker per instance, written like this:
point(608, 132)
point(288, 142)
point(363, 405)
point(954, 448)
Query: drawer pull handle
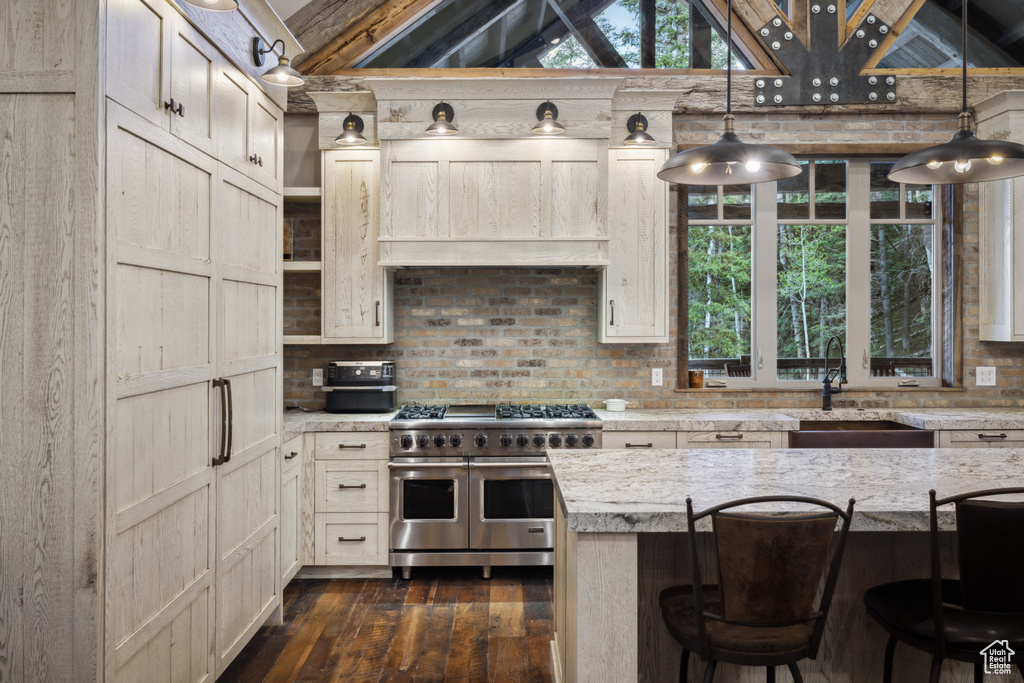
point(351, 486)
point(737, 437)
point(342, 539)
point(291, 455)
point(640, 445)
point(348, 445)
point(991, 436)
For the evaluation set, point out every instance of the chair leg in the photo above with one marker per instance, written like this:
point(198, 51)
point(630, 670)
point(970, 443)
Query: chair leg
point(709, 672)
point(933, 677)
point(769, 674)
point(979, 672)
point(684, 666)
point(890, 648)
point(795, 670)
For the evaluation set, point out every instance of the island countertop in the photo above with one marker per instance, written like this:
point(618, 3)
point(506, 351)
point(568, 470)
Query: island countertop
point(645, 490)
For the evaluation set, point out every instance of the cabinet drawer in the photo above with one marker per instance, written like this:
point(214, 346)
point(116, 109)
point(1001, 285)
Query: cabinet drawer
point(726, 439)
point(351, 486)
point(350, 445)
point(638, 439)
point(365, 538)
point(981, 438)
point(291, 455)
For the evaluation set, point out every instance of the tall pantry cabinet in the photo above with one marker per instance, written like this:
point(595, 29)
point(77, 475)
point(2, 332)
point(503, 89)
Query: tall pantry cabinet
point(140, 347)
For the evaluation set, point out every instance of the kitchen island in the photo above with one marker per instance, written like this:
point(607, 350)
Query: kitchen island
point(621, 516)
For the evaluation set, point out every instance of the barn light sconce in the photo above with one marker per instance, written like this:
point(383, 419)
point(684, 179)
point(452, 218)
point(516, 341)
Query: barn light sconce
point(965, 158)
point(283, 73)
point(214, 5)
point(547, 120)
point(637, 127)
point(443, 116)
point(351, 131)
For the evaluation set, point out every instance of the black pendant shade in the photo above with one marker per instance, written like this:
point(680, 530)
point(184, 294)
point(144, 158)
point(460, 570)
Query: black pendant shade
point(965, 158)
point(729, 161)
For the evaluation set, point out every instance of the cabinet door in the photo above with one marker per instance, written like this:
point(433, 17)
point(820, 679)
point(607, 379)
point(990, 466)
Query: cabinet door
point(192, 72)
point(160, 478)
point(730, 439)
point(638, 439)
point(354, 289)
point(634, 287)
point(267, 130)
point(292, 456)
point(981, 438)
point(231, 116)
point(352, 539)
point(139, 56)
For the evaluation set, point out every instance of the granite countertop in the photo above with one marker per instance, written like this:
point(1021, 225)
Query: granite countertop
point(635, 491)
point(298, 422)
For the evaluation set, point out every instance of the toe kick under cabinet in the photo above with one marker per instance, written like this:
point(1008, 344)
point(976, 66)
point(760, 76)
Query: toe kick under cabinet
point(350, 498)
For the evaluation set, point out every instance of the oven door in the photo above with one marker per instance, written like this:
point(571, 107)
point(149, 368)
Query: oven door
point(512, 504)
point(429, 503)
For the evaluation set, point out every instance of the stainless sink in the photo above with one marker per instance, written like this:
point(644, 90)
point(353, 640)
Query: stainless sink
point(859, 434)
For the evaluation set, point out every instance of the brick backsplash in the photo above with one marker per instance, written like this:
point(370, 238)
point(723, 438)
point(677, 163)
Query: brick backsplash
point(530, 334)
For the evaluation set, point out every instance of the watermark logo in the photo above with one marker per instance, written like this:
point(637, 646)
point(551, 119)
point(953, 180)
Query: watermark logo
point(997, 657)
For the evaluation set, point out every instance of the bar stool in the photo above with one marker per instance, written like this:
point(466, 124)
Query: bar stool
point(761, 612)
point(960, 618)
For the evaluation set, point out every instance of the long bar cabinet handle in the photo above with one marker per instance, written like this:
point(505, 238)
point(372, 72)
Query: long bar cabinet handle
point(231, 418)
point(220, 459)
point(736, 437)
point(351, 486)
point(640, 445)
point(611, 304)
point(376, 314)
point(349, 445)
point(991, 436)
point(342, 539)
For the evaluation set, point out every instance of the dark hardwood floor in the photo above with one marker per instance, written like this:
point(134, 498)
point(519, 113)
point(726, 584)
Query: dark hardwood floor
point(443, 625)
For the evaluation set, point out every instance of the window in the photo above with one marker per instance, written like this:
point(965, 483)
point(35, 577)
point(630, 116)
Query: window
point(777, 269)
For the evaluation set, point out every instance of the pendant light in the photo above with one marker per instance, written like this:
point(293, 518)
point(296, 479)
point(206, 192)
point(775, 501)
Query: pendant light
point(965, 158)
point(283, 73)
point(547, 120)
point(637, 127)
point(351, 131)
point(729, 161)
point(443, 116)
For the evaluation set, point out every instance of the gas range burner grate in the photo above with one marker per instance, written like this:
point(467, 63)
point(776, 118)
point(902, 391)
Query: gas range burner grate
point(418, 412)
point(574, 411)
point(524, 411)
point(551, 412)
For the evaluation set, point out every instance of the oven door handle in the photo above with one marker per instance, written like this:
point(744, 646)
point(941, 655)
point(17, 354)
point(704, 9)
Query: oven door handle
point(509, 465)
point(426, 466)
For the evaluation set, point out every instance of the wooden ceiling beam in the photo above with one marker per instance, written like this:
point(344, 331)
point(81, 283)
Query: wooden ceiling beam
point(318, 22)
point(589, 35)
point(887, 9)
point(362, 35)
point(467, 29)
point(747, 17)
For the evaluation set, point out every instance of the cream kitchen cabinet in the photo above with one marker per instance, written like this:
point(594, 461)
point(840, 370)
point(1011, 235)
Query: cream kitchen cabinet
point(161, 68)
point(980, 438)
point(638, 439)
point(634, 288)
point(357, 293)
point(726, 439)
point(292, 459)
point(351, 498)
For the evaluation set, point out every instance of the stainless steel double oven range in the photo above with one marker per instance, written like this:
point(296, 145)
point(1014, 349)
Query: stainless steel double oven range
point(470, 484)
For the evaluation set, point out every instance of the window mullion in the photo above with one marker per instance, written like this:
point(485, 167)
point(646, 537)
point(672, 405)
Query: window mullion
point(858, 278)
point(765, 257)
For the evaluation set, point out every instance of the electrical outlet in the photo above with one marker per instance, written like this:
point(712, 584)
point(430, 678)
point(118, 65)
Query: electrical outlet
point(318, 377)
point(656, 377)
point(986, 377)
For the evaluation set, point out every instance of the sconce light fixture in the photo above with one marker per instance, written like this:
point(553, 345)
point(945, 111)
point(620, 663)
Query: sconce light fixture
point(351, 131)
point(283, 73)
point(443, 116)
point(637, 127)
point(547, 120)
point(214, 5)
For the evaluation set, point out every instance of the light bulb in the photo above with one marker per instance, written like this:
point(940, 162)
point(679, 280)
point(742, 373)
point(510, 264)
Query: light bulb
point(962, 166)
point(934, 164)
point(698, 168)
point(281, 78)
point(548, 128)
point(753, 166)
point(995, 161)
point(555, 41)
point(350, 136)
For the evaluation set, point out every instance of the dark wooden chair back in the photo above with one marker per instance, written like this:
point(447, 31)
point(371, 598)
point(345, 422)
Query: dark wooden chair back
point(737, 369)
point(770, 565)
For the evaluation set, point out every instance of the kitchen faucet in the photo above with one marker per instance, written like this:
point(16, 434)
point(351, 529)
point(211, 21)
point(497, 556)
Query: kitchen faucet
point(840, 374)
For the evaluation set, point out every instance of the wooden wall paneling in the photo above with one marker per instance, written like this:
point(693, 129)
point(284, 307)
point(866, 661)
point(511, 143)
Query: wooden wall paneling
point(38, 36)
point(489, 84)
point(39, 571)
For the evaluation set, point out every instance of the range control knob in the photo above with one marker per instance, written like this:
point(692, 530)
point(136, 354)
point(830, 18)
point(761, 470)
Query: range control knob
point(538, 440)
point(522, 440)
point(480, 440)
point(439, 440)
point(555, 440)
point(456, 440)
point(588, 440)
point(506, 440)
point(407, 441)
point(422, 440)
point(571, 440)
